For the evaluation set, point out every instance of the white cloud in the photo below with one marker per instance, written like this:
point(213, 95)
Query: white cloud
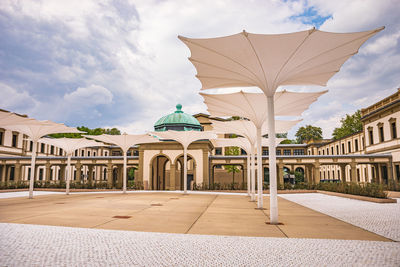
point(130, 69)
point(383, 44)
point(92, 95)
point(12, 99)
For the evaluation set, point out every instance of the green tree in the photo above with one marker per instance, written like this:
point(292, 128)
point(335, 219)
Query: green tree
point(349, 125)
point(88, 131)
point(232, 151)
point(288, 141)
point(307, 133)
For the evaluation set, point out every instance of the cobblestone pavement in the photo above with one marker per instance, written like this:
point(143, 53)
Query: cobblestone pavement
point(382, 219)
point(36, 245)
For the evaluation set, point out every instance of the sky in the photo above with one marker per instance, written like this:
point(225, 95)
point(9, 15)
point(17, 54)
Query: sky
point(120, 64)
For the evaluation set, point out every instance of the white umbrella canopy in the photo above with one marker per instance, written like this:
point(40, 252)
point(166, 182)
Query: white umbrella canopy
point(69, 145)
point(124, 141)
point(185, 138)
point(8, 118)
point(247, 128)
point(35, 130)
point(268, 61)
point(253, 106)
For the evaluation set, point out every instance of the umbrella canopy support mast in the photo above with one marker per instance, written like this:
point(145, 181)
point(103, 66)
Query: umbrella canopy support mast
point(32, 178)
point(272, 162)
point(259, 170)
point(184, 170)
point(253, 174)
point(125, 171)
point(69, 174)
point(248, 174)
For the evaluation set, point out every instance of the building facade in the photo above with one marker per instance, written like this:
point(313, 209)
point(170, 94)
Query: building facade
point(371, 155)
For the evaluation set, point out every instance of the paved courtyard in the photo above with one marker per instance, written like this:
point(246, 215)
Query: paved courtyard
point(209, 214)
point(199, 229)
point(382, 219)
point(37, 245)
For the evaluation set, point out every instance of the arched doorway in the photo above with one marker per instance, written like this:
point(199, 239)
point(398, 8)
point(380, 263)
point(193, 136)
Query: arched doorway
point(299, 174)
point(191, 166)
point(158, 170)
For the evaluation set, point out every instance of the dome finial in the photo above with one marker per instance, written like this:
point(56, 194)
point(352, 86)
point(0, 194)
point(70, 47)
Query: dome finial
point(178, 108)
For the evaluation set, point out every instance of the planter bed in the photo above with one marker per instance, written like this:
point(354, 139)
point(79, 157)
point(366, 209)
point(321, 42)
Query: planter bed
point(357, 197)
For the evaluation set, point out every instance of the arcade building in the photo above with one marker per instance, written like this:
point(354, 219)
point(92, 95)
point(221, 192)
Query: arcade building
point(372, 154)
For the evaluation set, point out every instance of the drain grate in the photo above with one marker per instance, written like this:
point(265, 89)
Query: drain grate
point(156, 204)
point(121, 217)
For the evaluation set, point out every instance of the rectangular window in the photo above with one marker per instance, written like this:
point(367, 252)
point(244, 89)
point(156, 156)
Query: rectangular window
point(265, 152)
point(287, 152)
point(343, 152)
point(12, 173)
point(61, 151)
point(381, 136)
point(1, 137)
point(356, 145)
point(88, 153)
point(278, 152)
point(76, 153)
point(349, 146)
point(30, 146)
point(82, 153)
point(394, 130)
point(14, 140)
point(94, 154)
point(128, 154)
point(397, 172)
point(40, 174)
point(136, 153)
point(298, 152)
point(323, 151)
point(218, 151)
point(337, 149)
point(52, 150)
point(331, 150)
point(42, 148)
point(371, 137)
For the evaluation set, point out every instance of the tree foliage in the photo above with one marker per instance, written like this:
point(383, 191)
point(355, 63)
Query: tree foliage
point(88, 131)
point(232, 151)
point(308, 133)
point(350, 124)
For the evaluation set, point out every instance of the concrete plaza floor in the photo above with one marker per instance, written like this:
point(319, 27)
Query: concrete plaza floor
point(207, 214)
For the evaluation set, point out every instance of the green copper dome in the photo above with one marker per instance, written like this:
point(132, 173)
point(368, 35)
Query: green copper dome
point(178, 121)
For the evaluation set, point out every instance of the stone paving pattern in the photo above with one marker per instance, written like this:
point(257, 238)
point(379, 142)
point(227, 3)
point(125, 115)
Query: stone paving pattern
point(382, 219)
point(209, 214)
point(38, 245)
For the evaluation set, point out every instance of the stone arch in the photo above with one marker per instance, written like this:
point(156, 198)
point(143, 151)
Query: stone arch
point(191, 174)
point(159, 177)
